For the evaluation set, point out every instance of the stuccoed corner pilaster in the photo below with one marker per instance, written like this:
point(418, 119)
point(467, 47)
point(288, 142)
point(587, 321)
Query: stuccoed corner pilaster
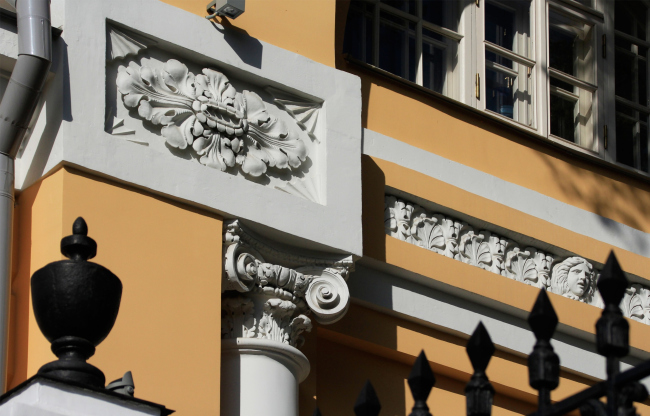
point(272, 294)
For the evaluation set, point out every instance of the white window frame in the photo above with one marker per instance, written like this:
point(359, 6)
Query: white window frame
point(518, 57)
point(471, 67)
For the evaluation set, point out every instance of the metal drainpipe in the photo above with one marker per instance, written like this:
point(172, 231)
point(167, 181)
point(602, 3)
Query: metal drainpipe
point(16, 110)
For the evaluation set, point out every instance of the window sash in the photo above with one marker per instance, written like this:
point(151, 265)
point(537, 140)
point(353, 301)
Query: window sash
point(468, 45)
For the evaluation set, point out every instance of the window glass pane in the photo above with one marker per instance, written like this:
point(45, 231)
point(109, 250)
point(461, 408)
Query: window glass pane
point(507, 88)
point(493, 57)
point(499, 88)
point(630, 17)
point(643, 80)
point(631, 74)
point(397, 46)
point(561, 51)
point(561, 84)
point(643, 147)
point(433, 67)
point(631, 137)
point(441, 12)
point(630, 56)
point(570, 46)
point(359, 31)
point(563, 118)
point(507, 24)
point(624, 78)
point(436, 50)
point(625, 128)
point(408, 6)
point(499, 25)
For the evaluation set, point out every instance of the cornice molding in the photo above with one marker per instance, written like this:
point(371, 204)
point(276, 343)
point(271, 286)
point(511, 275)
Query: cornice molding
point(570, 276)
point(272, 299)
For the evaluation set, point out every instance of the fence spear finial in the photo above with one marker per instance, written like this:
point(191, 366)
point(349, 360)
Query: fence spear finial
point(479, 392)
point(421, 381)
point(543, 362)
point(367, 403)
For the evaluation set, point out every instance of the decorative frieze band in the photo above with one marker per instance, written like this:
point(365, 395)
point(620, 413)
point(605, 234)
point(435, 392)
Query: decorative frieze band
point(570, 276)
point(266, 296)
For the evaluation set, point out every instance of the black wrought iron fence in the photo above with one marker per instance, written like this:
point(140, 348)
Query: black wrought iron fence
point(620, 389)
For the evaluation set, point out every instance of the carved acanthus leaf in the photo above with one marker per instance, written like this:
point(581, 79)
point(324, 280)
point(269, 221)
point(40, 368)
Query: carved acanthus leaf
point(520, 266)
point(272, 318)
point(207, 116)
point(303, 188)
point(426, 232)
point(122, 43)
point(497, 247)
point(474, 250)
point(451, 231)
point(305, 112)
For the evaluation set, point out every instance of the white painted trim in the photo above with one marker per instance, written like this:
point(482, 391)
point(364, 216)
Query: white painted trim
point(514, 196)
point(70, 130)
point(456, 315)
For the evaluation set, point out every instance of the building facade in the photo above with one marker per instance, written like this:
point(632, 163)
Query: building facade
point(341, 183)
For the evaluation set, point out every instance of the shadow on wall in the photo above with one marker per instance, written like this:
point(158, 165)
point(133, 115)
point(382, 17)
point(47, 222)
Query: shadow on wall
point(373, 190)
point(364, 347)
point(343, 371)
point(624, 199)
point(246, 47)
point(58, 108)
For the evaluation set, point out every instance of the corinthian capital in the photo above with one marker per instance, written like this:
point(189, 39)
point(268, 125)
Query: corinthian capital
point(269, 292)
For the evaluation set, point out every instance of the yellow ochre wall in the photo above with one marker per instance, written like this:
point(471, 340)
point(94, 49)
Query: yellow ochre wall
point(305, 27)
point(168, 257)
point(369, 344)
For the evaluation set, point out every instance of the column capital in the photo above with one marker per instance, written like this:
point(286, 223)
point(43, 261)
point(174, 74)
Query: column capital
point(270, 290)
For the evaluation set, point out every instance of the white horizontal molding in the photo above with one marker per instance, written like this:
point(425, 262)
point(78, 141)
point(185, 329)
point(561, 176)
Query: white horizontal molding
point(514, 196)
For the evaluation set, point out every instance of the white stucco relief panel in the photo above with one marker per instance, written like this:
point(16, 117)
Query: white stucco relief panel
point(209, 116)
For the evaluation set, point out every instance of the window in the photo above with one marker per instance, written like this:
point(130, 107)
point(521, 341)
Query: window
point(508, 68)
point(415, 40)
point(541, 65)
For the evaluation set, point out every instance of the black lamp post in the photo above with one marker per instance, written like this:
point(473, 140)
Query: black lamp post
point(75, 304)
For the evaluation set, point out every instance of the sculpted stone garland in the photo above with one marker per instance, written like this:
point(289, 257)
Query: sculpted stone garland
point(572, 277)
point(204, 114)
point(270, 301)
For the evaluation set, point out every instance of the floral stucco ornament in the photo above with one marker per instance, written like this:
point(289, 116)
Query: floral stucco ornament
point(206, 114)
